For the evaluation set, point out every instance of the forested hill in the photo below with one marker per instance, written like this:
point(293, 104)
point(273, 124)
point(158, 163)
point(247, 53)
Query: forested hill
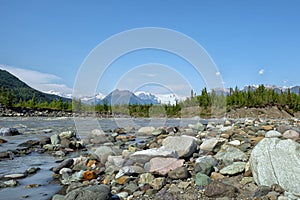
point(21, 91)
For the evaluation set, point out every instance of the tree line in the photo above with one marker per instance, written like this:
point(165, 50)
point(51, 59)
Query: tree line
point(7, 99)
point(206, 101)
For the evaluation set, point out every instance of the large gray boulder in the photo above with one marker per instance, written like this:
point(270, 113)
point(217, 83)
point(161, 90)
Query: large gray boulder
point(95, 192)
point(275, 161)
point(185, 146)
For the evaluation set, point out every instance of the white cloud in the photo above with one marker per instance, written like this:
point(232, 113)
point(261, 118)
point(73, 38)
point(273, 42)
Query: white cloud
point(261, 72)
point(38, 80)
point(148, 75)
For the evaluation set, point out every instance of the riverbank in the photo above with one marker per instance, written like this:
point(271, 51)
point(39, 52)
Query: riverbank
point(208, 160)
point(200, 161)
point(235, 113)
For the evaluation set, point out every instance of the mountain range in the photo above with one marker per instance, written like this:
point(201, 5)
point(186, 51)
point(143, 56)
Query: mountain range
point(22, 91)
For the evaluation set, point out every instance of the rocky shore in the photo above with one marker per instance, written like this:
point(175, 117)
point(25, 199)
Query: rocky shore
point(237, 159)
point(269, 112)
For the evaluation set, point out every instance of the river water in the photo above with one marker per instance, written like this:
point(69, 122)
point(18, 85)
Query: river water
point(38, 128)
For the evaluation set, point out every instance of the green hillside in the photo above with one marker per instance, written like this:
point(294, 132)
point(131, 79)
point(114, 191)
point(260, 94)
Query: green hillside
point(21, 90)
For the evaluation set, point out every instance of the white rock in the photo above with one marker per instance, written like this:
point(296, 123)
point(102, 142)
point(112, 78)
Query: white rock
point(211, 144)
point(184, 145)
point(65, 170)
point(146, 155)
point(146, 129)
point(235, 143)
point(55, 139)
point(67, 134)
point(14, 176)
point(277, 161)
point(273, 134)
point(10, 183)
point(47, 130)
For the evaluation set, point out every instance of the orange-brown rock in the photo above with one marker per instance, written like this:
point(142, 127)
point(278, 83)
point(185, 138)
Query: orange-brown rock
point(105, 181)
point(88, 175)
point(216, 176)
point(268, 127)
point(91, 162)
point(2, 141)
point(122, 180)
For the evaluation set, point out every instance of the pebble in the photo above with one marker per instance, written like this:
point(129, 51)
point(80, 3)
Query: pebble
point(10, 183)
point(272, 134)
point(179, 173)
point(235, 168)
point(32, 170)
point(202, 179)
point(158, 183)
point(291, 134)
point(218, 189)
point(235, 143)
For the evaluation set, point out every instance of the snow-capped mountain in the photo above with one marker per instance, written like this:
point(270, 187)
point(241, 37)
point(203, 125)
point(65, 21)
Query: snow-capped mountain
point(69, 96)
point(277, 89)
point(169, 98)
point(125, 97)
point(96, 99)
point(147, 97)
point(121, 97)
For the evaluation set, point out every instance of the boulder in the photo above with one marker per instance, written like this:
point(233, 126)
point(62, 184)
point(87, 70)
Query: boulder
point(9, 132)
point(275, 161)
point(229, 154)
point(185, 146)
point(95, 192)
point(146, 155)
point(162, 166)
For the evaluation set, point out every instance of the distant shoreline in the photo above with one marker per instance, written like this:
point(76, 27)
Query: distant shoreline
point(268, 112)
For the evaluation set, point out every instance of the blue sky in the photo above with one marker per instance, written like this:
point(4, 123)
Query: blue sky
point(251, 41)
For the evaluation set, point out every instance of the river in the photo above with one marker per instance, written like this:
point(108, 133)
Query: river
point(38, 128)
